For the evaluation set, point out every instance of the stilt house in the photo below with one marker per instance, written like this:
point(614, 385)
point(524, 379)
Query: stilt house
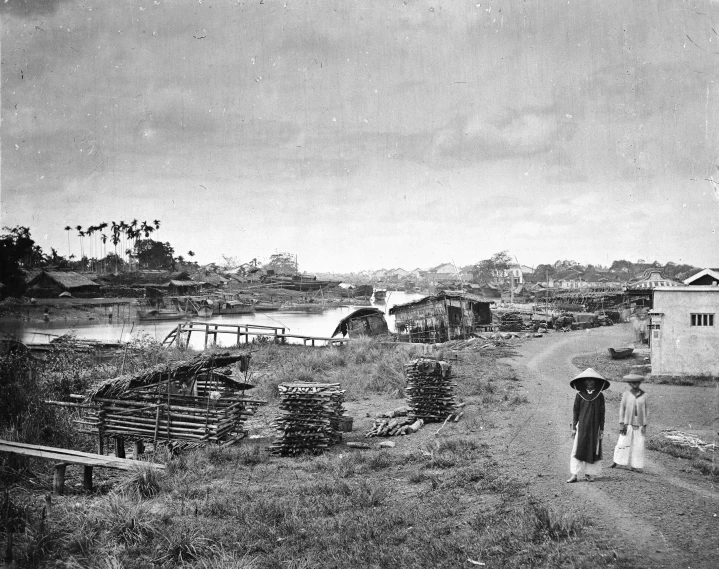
point(448, 315)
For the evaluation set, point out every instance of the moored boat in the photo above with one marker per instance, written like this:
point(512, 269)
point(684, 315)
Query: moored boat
point(234, 307)
point(621, 353)
point(380, 295)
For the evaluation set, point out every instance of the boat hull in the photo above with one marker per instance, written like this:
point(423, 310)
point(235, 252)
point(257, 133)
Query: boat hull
point(621, 353)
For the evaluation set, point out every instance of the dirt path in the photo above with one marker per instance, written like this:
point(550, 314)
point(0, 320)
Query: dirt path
point(664, 517)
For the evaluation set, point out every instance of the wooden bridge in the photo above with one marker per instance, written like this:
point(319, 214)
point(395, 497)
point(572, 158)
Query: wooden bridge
point(181, 335)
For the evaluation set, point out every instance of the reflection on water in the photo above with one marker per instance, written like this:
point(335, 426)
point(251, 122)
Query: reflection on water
point(318, 324)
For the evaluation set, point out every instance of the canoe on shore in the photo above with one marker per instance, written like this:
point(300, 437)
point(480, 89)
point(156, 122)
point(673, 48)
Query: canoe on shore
point(621, 353)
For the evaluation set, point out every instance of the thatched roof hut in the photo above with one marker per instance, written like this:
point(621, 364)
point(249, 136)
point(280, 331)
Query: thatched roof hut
point(52, 283)
point(198, 401)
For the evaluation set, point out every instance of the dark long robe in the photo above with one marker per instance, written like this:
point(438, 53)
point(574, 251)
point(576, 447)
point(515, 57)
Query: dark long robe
point(589, 420)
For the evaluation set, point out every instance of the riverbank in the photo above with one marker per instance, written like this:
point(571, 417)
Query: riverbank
point(440, 497)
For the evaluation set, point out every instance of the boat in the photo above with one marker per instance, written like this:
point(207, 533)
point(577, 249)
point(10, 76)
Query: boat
point(152, 310)
point(303, 283)
point(234, 307)
point(267, 306)
point(304, 307)
point(160, 314)
point(621, 353)
point(380, 295)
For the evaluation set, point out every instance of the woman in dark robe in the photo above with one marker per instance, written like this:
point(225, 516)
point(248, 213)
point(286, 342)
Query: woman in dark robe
point(587, 424)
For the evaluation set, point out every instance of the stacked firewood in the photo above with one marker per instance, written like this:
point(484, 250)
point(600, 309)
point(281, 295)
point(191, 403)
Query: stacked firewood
point(429, 390)
point(511, 322)
point(394, 427)
point(310, 417)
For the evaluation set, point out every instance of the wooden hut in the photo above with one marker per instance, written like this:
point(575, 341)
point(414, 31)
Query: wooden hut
point(193, 402)
point(362, 322)
point(448, 315)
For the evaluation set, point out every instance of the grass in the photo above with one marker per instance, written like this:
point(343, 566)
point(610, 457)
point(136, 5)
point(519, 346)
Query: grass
point(437, 505)
point(703, 462)
point(616, 369)
point(363, 367)
point(433, 507)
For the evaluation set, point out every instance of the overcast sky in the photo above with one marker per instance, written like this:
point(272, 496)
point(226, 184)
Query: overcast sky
point(368, 134)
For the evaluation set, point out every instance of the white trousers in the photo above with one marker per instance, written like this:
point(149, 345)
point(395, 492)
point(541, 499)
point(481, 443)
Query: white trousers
point(630, 448)
point(577, 467)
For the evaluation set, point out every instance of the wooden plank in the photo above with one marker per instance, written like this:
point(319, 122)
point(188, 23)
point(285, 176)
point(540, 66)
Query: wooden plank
point(74, 457)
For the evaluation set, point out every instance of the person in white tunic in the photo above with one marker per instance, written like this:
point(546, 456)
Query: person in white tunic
point(633, 418)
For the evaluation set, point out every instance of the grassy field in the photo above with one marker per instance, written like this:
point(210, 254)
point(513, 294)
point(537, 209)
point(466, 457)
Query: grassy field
point(436, 500)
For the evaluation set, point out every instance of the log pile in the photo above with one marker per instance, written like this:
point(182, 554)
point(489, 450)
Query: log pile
point(688, 440)
point(429, 390)
point(511, 322)
point(394, 427)
point(310, 417)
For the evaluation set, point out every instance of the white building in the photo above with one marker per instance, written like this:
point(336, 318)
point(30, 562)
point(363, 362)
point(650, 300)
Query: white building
point(684, 330)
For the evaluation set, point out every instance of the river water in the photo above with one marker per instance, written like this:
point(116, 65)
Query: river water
point(307, 324)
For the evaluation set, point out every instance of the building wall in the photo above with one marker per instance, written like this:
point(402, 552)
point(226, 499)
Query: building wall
point(677, 347)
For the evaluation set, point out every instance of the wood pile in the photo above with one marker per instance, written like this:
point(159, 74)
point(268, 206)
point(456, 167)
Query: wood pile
point(511, 322)
point(394, 427)
point(430, 390)
point(310, 418)
point(688, 440)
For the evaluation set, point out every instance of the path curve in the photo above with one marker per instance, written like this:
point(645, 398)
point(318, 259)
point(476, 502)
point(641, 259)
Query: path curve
point(667, 517)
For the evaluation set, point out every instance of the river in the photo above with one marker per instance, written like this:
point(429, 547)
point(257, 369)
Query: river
point(307, 324)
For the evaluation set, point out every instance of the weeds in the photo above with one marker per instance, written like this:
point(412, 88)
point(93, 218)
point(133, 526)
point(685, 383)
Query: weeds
point(143, 481)
point(181, 546)
point(701, 461)
point(556, 525)
point(126, 521)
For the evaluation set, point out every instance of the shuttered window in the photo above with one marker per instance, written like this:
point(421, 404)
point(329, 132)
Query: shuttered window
point(702, 319)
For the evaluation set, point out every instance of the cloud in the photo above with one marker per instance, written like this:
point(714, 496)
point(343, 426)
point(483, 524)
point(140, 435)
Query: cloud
point(27, 8)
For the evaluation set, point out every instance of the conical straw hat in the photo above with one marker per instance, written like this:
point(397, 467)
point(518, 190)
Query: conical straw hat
point(589, 373)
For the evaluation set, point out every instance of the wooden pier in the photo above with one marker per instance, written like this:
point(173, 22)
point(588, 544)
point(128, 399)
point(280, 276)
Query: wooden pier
point(181, 335)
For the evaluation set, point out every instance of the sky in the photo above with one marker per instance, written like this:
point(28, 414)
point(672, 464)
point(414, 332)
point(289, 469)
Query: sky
point(365, 135)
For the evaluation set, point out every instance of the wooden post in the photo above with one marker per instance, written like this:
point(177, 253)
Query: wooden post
point(139, 449)
point(87, 478)
point(207, 333)
point(119, 447)
point(58, 482)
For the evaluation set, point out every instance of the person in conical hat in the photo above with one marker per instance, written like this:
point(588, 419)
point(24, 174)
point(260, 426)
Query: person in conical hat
point(587, 424)
point(633, 419)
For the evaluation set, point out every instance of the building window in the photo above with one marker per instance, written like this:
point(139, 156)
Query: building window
point(702, 320)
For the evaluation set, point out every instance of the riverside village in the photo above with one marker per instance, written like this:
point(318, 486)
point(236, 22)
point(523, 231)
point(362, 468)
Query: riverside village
point(156, 412)
point(311, 284)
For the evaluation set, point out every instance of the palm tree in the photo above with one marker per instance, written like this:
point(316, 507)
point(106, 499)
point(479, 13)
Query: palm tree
point(68, 228)
point(81, 235)
point(103, 238)
point(156, 223)
point(146, 229)
point(89, 233)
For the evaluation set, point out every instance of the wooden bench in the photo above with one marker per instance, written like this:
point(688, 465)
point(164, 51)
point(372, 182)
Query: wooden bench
point(63, 457)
